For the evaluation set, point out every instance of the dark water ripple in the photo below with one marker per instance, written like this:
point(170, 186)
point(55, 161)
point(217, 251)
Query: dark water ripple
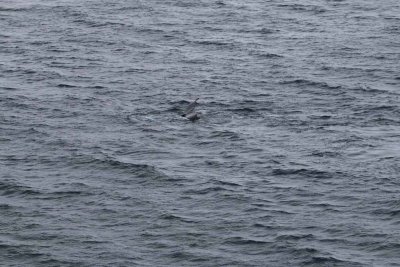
point(294, 162)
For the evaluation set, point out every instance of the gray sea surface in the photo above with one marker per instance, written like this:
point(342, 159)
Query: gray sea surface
point(294, 162)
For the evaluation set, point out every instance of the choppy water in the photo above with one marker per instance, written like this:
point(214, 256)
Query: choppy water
point(294, 163)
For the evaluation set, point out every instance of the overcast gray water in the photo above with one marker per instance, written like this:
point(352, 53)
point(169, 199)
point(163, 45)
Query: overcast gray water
point(295, 161)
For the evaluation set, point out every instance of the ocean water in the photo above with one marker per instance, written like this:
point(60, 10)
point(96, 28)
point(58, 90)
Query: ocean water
point(294, 162)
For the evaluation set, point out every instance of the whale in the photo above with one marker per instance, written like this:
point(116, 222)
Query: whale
point(189, 113)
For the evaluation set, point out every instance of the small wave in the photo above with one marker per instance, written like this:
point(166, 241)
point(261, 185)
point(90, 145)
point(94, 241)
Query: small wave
point(268, 227)
point(387, 247)
point(303, 172)
point(57, 262)
point(243, 110)
point(8, 189)
point(97, 24)
point(150, 31)
point(124, 165)
point(6, 206)
point(330, 261)
point(266, 55)
point(295, 237)
point(245, 241)
point(213, 43)
point(11, 9)
point(328, 154)
point(63, 85)
point(305, 82)
point(96, 87)
point(267, 31)
point(304, 8)
point(393, 213)
point(207, 190)
point(225, 134)
point(325, 206)
point(187, 4)
point(8, 88)
point(200, 61)
point(67, 194)
point(251, 106)
point(40, 42)
point(299, 252)
point(139, 170)
point(269, 55)
point(171, 217)
point(183, 255)
point(219, 182)
point(261, 31)
point(320, 117)
point(384, 108)
point(280, 212)
point(131, 8)
point(143, 70)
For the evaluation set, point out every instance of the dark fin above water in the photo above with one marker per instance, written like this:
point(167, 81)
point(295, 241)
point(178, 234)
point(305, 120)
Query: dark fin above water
point(190, 114)
point(191, 107)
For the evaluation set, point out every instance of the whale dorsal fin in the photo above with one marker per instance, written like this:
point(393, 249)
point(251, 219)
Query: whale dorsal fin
point(191, 107)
